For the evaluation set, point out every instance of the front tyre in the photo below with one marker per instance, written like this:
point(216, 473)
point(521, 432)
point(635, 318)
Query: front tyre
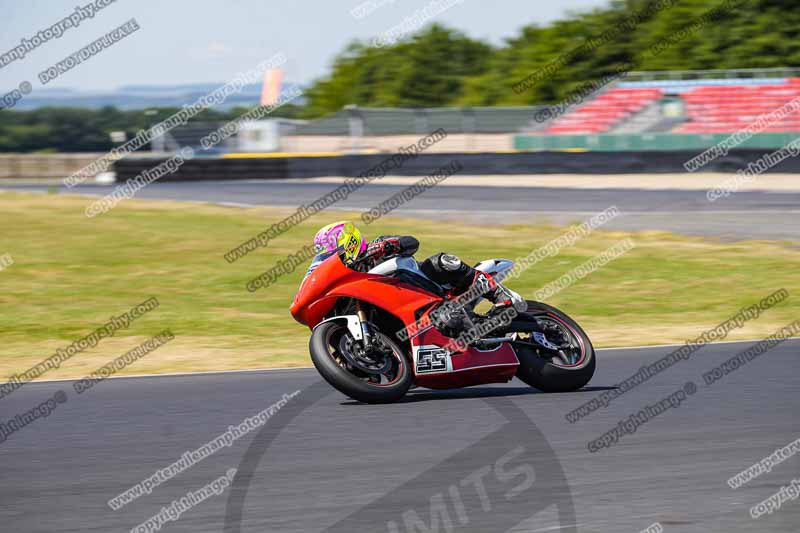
point(382, 376)
point(565, 369)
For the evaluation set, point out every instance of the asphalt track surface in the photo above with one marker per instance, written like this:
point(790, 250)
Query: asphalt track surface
point(743, 215)
point(335, 465)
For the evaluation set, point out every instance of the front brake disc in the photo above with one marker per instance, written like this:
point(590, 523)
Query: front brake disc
point(355, 356)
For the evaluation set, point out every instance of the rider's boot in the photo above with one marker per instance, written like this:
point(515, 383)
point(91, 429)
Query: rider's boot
point(498, 294)
point(455, 323)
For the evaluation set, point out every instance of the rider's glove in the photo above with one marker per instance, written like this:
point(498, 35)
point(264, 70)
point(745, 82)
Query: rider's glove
point(375, 250)
point(384, 247)
point(390, 247)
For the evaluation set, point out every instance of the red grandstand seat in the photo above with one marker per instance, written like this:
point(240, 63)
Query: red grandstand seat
point(604, 111)
point(729, 108)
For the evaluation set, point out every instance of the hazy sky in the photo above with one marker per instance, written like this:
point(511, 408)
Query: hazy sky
point(187, 41)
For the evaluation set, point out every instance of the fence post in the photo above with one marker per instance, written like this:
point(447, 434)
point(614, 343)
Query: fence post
point(421, 120)
point(356, 126)
point(468, 127)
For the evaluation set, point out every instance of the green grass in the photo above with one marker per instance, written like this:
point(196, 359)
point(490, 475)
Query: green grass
point(70, 274)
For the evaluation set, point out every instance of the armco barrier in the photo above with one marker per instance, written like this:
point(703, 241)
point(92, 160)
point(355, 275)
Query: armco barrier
point(208, 168)
point(42, 166)
point(521, 163)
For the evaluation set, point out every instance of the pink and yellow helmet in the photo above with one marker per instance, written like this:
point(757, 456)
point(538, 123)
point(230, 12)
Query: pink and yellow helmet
point(342, 236)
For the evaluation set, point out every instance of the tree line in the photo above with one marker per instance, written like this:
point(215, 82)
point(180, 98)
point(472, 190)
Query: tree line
point(442, 67)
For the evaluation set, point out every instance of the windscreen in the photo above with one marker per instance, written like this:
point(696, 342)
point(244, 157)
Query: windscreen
point(319, 258)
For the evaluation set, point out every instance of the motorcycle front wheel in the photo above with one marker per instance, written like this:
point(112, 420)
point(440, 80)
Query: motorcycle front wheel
point(381, 376)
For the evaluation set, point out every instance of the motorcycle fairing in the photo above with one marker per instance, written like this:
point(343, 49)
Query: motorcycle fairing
point(331, 280)
point(437, 367)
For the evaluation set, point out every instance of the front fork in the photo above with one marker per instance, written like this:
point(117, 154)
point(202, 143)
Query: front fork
point(366, 334)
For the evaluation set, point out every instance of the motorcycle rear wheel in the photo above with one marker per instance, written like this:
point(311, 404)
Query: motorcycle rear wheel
point(540, 369)
point(326, 345)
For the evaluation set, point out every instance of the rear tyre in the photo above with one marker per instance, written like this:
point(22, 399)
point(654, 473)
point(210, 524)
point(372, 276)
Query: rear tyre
point(547, 370)
point(328, 344)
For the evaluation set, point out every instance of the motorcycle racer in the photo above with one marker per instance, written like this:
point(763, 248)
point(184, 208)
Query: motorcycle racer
point(379, 324)
point(442, 268)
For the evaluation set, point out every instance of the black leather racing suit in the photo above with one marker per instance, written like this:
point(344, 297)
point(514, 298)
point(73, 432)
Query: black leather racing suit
point(442, 268)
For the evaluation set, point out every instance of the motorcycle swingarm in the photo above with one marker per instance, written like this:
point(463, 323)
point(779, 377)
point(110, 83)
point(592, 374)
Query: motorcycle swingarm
point(552, 351)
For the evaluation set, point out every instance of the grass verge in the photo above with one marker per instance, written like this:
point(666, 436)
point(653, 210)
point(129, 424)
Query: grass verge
point(71, 273)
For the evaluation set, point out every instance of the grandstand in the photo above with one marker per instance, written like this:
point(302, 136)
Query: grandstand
point(683, 106)
point(691, 102)
point(604, 111)
point(646, 111)
point(727, 108)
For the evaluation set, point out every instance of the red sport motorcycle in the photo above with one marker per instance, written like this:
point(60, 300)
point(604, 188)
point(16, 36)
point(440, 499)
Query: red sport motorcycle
point(374, 334)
